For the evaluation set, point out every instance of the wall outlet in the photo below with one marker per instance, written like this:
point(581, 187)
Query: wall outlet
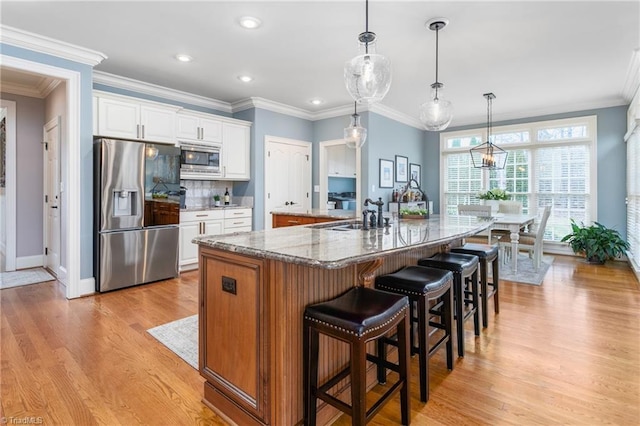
point(316, 188)
point(373, 188)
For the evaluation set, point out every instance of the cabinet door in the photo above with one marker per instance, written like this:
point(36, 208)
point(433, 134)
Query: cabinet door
point(211, 130)
point(158, 124)
point(349, 163)
point(235, 152)
point(118, 118)
point(335, 160)
point(214, 227)
point(188, 250)
point(187, 126)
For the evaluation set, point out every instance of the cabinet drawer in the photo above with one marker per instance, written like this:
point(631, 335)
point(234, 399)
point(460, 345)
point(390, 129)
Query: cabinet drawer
point(236, 213)
point(237, 222)
point(289, 220)
point(198, 216)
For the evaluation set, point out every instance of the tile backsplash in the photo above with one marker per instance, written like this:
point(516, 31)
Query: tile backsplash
point(200, 193)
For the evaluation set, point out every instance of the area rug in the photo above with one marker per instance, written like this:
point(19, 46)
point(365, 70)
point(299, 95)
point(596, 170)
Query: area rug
point(526, 273)
point(181, 337)
point(24, 277)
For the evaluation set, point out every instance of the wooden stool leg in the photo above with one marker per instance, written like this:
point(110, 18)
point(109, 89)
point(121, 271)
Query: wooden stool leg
point(475, 301)
point(382, 358)
point(358, 382)
point(403, 366)
point(310, 368)
point(447, 312)
point(496, 281)
point(423, 347)
point(484, 267)
point(458, 294)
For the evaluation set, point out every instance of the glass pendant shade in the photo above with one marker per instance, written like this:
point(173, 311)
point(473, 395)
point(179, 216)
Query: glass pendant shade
point(436, 114)
point(368, 75)
point(355, 135)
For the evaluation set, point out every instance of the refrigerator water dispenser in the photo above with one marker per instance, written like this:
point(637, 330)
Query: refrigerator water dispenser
point(124, 203)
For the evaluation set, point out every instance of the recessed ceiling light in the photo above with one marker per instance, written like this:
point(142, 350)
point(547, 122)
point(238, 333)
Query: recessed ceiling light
point(249, 22)
point(184, 58)
point(245, 78)
point(316, 101)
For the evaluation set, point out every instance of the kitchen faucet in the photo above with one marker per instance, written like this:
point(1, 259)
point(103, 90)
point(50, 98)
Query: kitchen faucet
point(378, 203)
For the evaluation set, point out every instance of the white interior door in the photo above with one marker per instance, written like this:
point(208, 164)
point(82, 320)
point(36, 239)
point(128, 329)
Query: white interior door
point(287, 173)
point(52, 195)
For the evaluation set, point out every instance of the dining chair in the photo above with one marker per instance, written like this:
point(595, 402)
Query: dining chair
point(476, 210)
point(531, 241)
point(510, 207)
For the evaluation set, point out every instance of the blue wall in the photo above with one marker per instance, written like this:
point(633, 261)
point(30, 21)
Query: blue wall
point(86, 146)
point(611, 162)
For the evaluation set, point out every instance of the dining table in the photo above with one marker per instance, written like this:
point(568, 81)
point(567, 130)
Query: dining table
point(513, 223)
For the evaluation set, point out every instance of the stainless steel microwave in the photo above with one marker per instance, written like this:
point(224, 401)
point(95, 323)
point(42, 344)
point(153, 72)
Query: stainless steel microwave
point(199, 161)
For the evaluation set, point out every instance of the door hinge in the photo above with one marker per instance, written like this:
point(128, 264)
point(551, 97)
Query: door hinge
point(46, 146)
point(46, 198)
point(46, 251)
point(307, 157)
point(307, 195)
point(268, 153)
point(269, 195)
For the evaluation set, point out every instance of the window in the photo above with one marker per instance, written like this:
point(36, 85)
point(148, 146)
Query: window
point(549, 163)
point(633, 197)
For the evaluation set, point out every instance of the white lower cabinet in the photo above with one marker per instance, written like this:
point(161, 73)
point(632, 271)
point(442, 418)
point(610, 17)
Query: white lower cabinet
point(209, 222)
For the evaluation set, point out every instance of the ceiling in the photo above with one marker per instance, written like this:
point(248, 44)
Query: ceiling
point(537, 57)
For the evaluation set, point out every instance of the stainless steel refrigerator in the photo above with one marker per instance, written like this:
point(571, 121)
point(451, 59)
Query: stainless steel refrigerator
point(136, 212)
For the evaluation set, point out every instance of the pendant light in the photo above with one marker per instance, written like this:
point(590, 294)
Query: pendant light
point(437, 112)
point(488, 155)
point(368, 75)
point(355, 135)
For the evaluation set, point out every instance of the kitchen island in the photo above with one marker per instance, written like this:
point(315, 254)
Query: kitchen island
point(253, 291)
point(297, 216)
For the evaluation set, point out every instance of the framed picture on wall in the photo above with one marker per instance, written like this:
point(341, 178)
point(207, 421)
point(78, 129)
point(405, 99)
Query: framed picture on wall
point(415, 172)
point(402, 169)
point(386, 173)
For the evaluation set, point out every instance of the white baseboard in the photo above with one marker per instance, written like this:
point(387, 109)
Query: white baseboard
point(87, 287)
point(26, 262)
point(62, 275)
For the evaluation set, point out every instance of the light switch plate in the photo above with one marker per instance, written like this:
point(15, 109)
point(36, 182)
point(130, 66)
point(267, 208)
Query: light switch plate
point(316, 188)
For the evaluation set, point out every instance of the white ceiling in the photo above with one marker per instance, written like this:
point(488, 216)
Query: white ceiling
point(537, 57)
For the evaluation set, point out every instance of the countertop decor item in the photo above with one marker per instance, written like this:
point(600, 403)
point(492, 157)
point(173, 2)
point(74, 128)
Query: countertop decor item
point(368, 75)
point(494, 194)
point(489, 155)
point(437, 112)
point(414, 214)
point(597, 242)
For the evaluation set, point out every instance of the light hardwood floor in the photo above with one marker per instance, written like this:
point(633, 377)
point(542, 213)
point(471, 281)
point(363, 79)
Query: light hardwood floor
point(566, 352)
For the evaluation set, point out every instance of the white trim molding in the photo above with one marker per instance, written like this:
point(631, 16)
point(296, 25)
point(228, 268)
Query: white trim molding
point(632, 80)
point(11, 185)
point(26, 262)
point(49, 46)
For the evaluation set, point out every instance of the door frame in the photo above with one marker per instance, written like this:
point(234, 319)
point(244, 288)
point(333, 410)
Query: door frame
point(75, 286)
point(323, 174)
point(276, 139)
point(10, 186)
point(51, 124)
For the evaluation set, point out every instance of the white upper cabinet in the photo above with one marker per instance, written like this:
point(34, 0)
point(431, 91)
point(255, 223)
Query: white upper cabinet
point(124, 117)
point(197, 127)
point(236, 151)
point(341, 161)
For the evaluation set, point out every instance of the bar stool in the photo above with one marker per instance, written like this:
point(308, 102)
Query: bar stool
point(423, 285)
point(486, 254)
point(358, 316)
point(465, 274)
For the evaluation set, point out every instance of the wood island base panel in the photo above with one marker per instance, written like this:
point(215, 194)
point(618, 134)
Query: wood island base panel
point(254, 288)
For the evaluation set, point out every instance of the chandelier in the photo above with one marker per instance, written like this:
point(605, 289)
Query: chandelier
point(488, 155)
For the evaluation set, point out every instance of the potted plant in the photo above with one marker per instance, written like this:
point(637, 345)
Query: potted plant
point(414, 213)
point(492, 198)
point(597, 242)
point(216, 200)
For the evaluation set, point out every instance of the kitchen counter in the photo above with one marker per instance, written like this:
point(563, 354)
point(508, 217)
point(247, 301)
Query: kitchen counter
point(253, 291)
point(199, 209)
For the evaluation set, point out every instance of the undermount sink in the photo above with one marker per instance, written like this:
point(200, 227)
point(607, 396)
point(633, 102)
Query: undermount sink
point(347, 226)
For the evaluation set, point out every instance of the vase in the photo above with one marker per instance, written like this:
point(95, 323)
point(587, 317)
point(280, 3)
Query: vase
point(494, 205)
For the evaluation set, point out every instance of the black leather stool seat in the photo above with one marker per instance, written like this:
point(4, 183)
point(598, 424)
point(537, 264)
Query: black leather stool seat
point(430, 293)
point(454, 262)
point(486, 254)
point(414, 280)
point(359, 311)
point(357, 317)
point(465, 288)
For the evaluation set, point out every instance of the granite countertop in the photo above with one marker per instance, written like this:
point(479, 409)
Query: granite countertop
point(320, 213)
point(229, 207)
point(329, 246)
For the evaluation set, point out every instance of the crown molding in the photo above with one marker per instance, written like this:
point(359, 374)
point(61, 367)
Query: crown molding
point(138, 86)
point(396, 116)
point(632, 80)
point(255, 102)
point(49, 46)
